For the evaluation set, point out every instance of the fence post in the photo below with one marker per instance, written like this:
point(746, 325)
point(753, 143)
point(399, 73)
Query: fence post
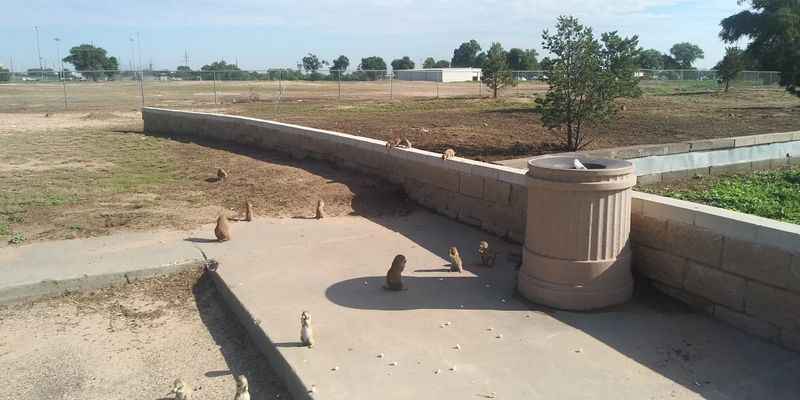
point(339, 79)
point(214, 85)
point(391, 90)
point(141, 86)
point(64, 85)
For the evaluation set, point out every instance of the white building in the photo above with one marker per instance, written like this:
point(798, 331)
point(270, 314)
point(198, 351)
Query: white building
point(439, 74)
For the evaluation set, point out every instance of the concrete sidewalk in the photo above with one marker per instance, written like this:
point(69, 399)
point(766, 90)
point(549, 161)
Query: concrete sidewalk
point(453, 336)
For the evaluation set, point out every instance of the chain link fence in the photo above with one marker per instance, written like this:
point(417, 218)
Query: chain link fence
point(51, 90)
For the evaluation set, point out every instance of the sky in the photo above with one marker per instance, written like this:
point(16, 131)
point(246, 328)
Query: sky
point(260, 34)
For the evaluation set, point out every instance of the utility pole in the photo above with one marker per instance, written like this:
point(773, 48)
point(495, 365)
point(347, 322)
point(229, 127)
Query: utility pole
point(39, 51)
point(63, 78)
point(141, 74)
point(186, 58)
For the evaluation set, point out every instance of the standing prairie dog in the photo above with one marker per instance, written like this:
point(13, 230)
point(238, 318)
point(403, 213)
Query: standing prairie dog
point(394, 277)
point(456, 265)
point(248, 211)
point(242, 389)
point(306, 333)
point(223, 229)
point(181, 390)
point(320, 209)
point(487, 255)
point(448, 154)
point(221, 174)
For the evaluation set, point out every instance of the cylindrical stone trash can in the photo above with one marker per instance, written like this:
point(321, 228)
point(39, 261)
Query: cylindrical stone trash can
point(577, 255)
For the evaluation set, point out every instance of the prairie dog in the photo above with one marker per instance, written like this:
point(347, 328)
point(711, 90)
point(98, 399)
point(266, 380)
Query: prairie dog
point(221, 174)
point(457, 265)
point(394, 277)
point(448, 154)
point(320, 209)
point(405, 143)
point(248, 211)
point(487, 255)
point(390, 144)
point(223, 229)
point(181, 390)
point(306, 333)
point(242, 389)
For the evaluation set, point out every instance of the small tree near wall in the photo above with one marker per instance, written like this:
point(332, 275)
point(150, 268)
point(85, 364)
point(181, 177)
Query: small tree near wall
point(495, 73)
point(730, 66)
point(585, 78)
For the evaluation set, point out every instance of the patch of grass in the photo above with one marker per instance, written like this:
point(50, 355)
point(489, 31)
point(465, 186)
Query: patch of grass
point(769, 194)
point(17, 238)
point(4, 229)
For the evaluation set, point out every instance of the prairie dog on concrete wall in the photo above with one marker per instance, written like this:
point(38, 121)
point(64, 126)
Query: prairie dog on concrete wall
point(448, 154)
point(457, 265)
point(242, 388)
point(487, 255)
point(223, 229)
point(320, 209)
point(390, 144)
point(306, 333)
point(248, 211)
point(394, 277)
point(221, 174)
point(181, 390)
point(406, 144)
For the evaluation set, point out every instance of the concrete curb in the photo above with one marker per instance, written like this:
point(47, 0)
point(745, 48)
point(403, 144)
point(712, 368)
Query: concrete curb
point(54, 288)
point(262, 341)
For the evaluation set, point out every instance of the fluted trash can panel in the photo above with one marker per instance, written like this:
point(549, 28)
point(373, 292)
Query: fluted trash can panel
point(577, 233)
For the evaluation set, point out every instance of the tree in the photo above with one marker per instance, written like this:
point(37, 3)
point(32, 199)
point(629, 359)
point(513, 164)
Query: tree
point(585, 77)
point(466, 54)
point(311, 63)
point(685, 54)
point(341, 63)
point(731, 65)
point(522, 60)
point(403, 63)
point(480, 60)
point(374, 66)
point(429, 62)
point(442, 64)
point(88, 60)
point(221, 70)
point(651, 59)
point(184, 72)
point(5, 74)
point(495, 73)
point(773, 30)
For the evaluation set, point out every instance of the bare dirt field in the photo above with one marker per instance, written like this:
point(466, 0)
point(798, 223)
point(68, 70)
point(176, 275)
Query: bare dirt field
point(130, 342)
point(90, 170)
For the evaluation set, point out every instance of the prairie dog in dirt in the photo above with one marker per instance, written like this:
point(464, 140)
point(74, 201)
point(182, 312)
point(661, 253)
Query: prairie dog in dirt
point(221, 174)
point(181, 390)
point(223, 229)
point(448, 154)
point(320, 209)
point(248, 211)
point(394, 277)
point(455, 257)
point(242, 389)
point(306, 333)
point(487, 255)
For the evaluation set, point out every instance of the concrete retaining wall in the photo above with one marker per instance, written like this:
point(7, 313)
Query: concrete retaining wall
point(674, 161)
point(492, 197)
point(742, 269)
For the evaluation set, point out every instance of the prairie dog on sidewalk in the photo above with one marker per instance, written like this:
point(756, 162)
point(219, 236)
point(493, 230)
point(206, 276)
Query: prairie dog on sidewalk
point(455, 257)
point(223, 229)
point(448, 154)
point(394, 277)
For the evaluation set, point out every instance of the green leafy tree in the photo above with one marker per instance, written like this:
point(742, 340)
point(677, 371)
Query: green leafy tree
point(480, 60)
point(184, 72)
point(373, 67)
point(223, 71)
point(773, 30)
point(522, 60)
point(429, 62)
point(403, 63)
point(651, 59)
point(88, 60)
point(585, 77)
point(341, 63)
point(731, 65)
point(685, 54)
point(466, 55)
point(442, 64)
point(495, 73)
point(5, 74)
point(311, 63)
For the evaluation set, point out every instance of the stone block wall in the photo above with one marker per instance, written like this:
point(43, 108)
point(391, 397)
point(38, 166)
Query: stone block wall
point(742, 269)
point(492, 197)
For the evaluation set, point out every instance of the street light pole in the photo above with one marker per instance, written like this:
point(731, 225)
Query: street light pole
point(39, 51)
point(63, 78)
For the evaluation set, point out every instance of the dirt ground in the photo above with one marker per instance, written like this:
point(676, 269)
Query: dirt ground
point(70, 175)
point(130, 342)
point(489, 130)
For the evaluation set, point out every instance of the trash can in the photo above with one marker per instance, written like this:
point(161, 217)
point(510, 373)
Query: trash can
point(577, 253)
